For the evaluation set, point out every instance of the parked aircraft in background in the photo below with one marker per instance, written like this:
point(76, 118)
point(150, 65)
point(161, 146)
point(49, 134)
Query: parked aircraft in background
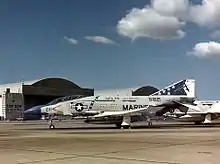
point(199, 112)
point(122, 110)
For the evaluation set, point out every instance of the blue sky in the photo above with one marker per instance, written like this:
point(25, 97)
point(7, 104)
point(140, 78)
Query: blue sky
point(34, 44)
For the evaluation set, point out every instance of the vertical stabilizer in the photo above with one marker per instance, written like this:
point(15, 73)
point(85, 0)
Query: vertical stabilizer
point(184, 87)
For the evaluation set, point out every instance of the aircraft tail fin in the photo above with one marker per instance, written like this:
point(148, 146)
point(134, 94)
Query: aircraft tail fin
point(184, 87)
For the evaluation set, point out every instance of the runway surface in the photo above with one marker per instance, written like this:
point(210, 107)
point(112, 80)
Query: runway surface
point(32, 142)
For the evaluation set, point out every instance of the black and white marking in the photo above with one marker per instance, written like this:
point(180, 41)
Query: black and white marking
point(92, 103)
point(79, 107)
point(176, 89)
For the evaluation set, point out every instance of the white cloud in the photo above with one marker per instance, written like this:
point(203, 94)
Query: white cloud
point(206, 49)
point(155, 21)
point(215, 34)
point(71, 40)
point(207, 14)
point(177, 8)
point(164, 19)
point(100, 39)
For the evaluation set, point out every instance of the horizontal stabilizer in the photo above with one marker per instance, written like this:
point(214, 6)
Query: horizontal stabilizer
point(193, 108)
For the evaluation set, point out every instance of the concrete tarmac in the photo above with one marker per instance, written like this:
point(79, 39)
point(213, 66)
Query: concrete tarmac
point(33, 142)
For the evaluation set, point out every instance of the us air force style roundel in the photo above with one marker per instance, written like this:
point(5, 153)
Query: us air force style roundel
point(79, 107)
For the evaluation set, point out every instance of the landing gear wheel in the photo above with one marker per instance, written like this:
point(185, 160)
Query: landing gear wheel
point(126, 127)
point(149, 123)
point(51, 127)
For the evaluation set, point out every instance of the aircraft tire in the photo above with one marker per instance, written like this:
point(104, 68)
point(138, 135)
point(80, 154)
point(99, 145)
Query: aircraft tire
point(150, 124)
point(126, 127)
point(51, 127)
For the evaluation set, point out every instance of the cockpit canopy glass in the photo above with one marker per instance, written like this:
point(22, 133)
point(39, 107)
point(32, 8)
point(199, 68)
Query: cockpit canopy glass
point(66, 98)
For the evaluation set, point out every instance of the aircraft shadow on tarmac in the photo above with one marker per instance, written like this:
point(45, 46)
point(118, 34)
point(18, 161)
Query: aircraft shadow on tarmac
point(163, 126)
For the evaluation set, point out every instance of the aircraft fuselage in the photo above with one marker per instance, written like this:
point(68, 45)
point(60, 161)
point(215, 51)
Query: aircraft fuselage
point(96, 104)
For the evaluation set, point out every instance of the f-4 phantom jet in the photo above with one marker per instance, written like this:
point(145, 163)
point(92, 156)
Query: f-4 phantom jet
point(123, 110)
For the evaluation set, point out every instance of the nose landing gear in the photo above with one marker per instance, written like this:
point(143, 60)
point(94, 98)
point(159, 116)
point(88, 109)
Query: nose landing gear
point(51, 125)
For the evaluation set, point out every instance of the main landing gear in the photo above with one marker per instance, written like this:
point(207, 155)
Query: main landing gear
point(150, 123)
point(119, 126)
point(126, 127)
point(125, 123)
point(207, 121)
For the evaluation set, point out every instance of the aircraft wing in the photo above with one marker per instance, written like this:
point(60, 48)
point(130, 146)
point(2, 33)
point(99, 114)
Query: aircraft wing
point(119, 113)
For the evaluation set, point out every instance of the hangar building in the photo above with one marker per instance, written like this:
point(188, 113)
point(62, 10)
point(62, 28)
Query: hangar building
point(16, 97)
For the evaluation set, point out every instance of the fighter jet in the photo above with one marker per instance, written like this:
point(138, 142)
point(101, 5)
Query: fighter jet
point(199, 112)
point(123, 110)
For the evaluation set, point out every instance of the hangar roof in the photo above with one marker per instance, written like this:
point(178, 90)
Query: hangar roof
point(43, 81)
point(53, 82)
point(119, 91)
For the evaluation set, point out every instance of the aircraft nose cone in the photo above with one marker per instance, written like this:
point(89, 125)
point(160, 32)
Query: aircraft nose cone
point(34, 110)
